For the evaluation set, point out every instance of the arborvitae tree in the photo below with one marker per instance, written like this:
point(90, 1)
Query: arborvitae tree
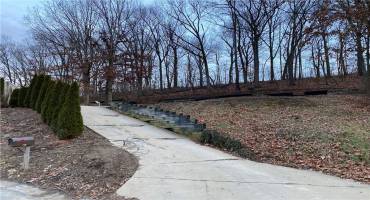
point(2, 86)
point(40, 98)
point(27, 99)
point(22, 95)
point(47, 99)
point(367, 82)
point(14, 98)
point(36, 91)
point(61, 98)
point(70, 122)
point(52, 103)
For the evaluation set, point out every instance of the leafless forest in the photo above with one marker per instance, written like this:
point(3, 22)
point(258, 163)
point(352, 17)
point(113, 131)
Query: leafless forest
point(124, 45)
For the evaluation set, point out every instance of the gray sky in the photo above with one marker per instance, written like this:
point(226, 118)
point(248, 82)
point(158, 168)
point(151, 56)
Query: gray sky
point(12, 13)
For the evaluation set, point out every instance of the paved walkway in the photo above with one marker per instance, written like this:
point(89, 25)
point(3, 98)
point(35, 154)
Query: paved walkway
point(16, 191)
point(173, 167)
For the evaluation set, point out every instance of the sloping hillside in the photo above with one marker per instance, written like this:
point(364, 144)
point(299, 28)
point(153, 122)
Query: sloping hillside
point(326, 133)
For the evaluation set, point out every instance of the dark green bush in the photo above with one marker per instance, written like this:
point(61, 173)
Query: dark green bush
point(206, 137)
point(70, 124)
point(1, 86)
point(224, 142)
point(52, 103)
point(14, 98)
point(22, 96)
point(36, 90)
point(367, 82)
point(40, 98)
point(59, 103)
point(47, 99)
point(27, 99)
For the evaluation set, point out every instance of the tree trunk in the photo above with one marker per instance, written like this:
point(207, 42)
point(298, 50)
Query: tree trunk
point(272, 73)
point(326, 52)
point(242, 63)
point(316, 66)
point(200, 67)
point(300, 74)
point(290, 69)
point(204, 57)
point(86, 84)
point(290, 58)
point(245, 68)
point(256, 59)
point(218, 70)
point(160, 69)
point(237, 87)
point(190, 74)
point(295, 66)
point(167, 66)
point(368, 52)
point(175, 67)
point(231, 66)
point(271, 50)
point(109, 79)
point(360, 57)
point(341, 57)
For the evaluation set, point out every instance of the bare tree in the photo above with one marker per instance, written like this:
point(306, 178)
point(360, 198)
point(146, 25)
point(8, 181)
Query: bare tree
point(298, 12)
point(256, 14)
point(191, 15)
point(112, 14)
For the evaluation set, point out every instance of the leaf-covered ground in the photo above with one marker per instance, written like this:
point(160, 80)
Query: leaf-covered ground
point(84, 167)
point(325, 133)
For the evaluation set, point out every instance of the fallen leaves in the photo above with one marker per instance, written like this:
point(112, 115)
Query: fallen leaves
point(88, 166)
point(301, 132)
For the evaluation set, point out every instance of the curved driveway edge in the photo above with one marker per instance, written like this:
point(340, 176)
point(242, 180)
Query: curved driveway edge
point(174, 167)
point(17, 191)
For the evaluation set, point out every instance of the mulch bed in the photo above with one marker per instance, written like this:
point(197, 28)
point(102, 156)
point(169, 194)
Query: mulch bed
point(324, 133)
point(87, 166)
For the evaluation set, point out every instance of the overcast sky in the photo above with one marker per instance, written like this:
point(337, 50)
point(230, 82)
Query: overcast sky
point(12, 17)
point(12, 13)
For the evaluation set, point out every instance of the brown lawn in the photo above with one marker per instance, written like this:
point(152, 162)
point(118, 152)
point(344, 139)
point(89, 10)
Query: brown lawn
point(327, 133)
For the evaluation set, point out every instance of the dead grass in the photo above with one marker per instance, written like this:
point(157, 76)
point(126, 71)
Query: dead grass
point(327, 133)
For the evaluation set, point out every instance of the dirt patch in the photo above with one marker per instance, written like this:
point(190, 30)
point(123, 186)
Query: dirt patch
point(88, 166)
point(328, 133)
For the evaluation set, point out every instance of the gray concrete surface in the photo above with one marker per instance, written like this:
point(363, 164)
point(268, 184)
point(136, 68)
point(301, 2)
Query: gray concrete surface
point(16, 191)
point(173, 167)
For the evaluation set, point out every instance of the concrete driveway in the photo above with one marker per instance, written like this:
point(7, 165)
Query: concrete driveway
point(174, 167)
point(17, 191)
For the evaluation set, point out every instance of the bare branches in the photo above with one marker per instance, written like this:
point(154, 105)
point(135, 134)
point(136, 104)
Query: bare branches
point(122, 45)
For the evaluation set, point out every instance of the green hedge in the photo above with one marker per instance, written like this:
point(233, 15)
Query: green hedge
point(2, 86)
point(14, 98)
point(46, 102)
point(36, 90)
point(58, 103)
point(52, 102)
point(69, 122)
point(27, 99)
point(57, 107)
point(41, 97)
point(22, 96)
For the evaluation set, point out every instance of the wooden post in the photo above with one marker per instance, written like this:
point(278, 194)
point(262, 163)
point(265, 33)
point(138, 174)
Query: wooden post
point(26, 157)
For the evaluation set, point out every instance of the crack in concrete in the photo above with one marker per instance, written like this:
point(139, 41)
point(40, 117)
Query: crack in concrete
point(130, 125)
point(206, 187)
point(252, 182)
point(200, 161)
point(159, 138)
